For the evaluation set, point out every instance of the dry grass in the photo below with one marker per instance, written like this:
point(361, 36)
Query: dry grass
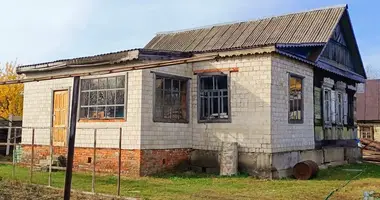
point(201, 186)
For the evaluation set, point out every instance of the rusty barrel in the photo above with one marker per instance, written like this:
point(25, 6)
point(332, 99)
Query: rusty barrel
point(305, 170)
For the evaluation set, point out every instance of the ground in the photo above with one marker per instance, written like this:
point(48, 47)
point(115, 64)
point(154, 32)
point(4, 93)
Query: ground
point(201, 186)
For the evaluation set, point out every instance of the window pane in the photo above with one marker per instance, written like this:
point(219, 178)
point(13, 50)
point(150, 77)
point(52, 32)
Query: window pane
point(94, 84)
point(103, 83)
point(83, 113)
point(111, 97)
point(101, 112)
point(102, 98)
point(85, 84)
point(92, 113)
point(221, 82)
point(119, 96)
point(176, 85)
point(93, 98)
point(110, 111)
point(159, 83)
point(158, 98)
point(84, 96)
point(168, 84)
point(159, 112)
point(225, 105)
point(111, 83)
point(119, 111)
point(167, 98)
point(295, 98)
point(206, 83)
point(120, 81)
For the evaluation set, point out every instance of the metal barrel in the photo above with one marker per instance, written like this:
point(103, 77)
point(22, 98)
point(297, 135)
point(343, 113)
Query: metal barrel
point(305, 170)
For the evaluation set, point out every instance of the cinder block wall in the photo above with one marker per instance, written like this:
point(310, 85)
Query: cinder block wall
point(250, 94)
point(287, 136)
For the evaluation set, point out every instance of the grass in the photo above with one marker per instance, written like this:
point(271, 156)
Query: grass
point(202, 186)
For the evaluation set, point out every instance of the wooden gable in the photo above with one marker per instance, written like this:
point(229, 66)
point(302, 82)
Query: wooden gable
point(342, 50)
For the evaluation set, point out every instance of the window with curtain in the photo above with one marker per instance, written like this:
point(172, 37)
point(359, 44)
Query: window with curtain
point(102, 98)
point(170, 99)
point(295, 99)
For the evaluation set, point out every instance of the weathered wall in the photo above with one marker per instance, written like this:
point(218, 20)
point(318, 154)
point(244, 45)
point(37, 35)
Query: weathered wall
point(287, 136)
point(38, 113)
point(158, 135)
point(250, 106)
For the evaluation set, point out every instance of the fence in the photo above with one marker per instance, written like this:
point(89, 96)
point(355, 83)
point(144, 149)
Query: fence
point(16, 133)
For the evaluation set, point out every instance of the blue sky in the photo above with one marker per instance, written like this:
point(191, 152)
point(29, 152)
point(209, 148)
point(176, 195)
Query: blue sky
point(45, 30)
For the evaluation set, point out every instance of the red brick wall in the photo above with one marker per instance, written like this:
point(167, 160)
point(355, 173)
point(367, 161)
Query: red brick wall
point(134, 162)
point(154, 161)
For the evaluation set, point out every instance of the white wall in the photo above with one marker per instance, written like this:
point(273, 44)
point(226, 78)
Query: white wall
point(286, 136)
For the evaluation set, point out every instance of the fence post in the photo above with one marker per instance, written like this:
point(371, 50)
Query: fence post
point(119, 165)
point(50, 155)
point(14, 154)
point(9, 135)
point(32, 159)
point(94, 163)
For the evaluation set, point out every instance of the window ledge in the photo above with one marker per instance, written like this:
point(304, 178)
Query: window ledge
point(214, 121)
point(101, 120)
point(170, 121)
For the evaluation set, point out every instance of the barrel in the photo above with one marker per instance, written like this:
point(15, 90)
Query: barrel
point(305, 170)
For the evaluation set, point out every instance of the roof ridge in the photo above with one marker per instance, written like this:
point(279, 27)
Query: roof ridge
point(257, 19)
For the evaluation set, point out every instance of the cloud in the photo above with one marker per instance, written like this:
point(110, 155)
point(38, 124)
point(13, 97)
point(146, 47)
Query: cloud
point(34, 30)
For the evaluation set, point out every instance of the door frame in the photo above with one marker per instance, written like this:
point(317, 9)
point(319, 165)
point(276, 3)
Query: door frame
point(68, 89)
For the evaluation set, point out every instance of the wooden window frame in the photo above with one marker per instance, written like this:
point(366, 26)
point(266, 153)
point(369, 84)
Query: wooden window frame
point(327, 122)
point(113, 119)
point(371, 132)
point(214, 120)
point(296, 121)
point(173, 77)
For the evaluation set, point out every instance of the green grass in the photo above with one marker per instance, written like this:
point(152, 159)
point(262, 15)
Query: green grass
point(202, 186)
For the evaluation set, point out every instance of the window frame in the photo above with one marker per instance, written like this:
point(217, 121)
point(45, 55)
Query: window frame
point(329, 114)
point(339, 111)
point(170, 76)
point(216, 120)
point(114, 119)
point(296, 121)
point(370, 132)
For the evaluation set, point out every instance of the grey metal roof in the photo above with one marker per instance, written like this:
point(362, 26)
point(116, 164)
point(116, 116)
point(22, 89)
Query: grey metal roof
point(314, 26)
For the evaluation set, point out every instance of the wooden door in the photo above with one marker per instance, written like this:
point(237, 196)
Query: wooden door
point(60, 111)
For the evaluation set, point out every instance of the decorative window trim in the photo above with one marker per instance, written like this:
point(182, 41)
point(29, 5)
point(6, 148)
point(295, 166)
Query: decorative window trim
point(114, 119)
point(217, 120)
point(296, 121)
point(170, 76)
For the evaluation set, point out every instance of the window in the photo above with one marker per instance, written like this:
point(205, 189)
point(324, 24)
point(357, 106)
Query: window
point(295, 99)
point(213, 98)
point(102, 98)
point(366, 132)
point(351, 108)
point(339, 106)
point(170, 99)
point(327, 106)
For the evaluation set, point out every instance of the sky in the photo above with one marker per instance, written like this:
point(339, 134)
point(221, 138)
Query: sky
point(45, 30)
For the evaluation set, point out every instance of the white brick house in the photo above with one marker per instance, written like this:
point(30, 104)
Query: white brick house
point(275, 88)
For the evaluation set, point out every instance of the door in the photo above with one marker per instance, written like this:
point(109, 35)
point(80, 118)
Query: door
point(60, 111)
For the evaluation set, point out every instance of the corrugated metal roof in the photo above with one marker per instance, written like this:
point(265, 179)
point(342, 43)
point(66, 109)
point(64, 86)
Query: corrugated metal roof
point(314, 26)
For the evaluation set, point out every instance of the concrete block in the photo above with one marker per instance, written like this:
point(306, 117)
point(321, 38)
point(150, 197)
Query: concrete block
point(333, 154)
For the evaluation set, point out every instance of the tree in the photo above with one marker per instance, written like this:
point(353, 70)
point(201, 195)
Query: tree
point(11, 96)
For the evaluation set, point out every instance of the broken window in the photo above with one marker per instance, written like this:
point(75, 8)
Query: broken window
point(170, 99)
point(295, 99)
point(213, 97)
point(102, 98)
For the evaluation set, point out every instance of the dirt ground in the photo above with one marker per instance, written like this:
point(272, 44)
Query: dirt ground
point(13, 190)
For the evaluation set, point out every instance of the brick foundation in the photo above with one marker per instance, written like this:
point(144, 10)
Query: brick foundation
point(134, 162)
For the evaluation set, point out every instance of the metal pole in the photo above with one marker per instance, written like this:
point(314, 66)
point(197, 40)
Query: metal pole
point(14, 154)
point(9, 135)
point(73, 126)
point(94, 163)
point(119, 170)
point(32, 159)
point(51, 155)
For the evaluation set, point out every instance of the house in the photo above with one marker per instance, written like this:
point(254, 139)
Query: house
point(282, 88)
point(368, 115)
